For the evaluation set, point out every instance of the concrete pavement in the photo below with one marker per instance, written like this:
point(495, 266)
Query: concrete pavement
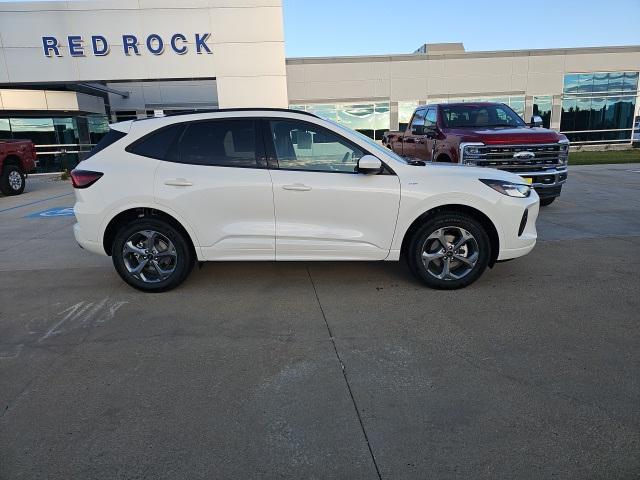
point(326, 370)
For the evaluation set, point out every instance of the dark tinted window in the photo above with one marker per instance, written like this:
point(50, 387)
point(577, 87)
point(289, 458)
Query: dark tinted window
point(304, 146)
point(156, 144)
point(225, 143)
point(480, 115)
point(111, 137)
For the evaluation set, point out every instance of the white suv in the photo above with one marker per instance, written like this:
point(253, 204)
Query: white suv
point(270, 184)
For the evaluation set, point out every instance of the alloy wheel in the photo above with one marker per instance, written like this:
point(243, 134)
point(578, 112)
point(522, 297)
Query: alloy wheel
point(450, 253)
point(149, 256)
point(15, 180)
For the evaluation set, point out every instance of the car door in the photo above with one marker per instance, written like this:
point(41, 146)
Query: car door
point(212, 178)
point(425, 144)
point(411, 136)
point(324, 209)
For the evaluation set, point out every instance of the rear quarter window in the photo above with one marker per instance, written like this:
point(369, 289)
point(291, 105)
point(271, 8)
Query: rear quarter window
point(112, 136)
point(157, 143)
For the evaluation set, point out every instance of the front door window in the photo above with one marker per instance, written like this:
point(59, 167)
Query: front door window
point(304, 146)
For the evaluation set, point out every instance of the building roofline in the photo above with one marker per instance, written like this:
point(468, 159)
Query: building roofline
point(465, 55)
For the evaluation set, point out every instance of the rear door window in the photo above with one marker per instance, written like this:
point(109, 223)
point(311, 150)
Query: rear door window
point(223, 143)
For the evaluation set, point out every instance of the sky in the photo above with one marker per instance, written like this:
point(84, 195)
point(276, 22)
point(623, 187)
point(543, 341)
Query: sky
point(378, 27)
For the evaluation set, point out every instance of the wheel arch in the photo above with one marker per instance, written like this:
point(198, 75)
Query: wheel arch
point(12, 159)
point(127, 216)
point(486, 222)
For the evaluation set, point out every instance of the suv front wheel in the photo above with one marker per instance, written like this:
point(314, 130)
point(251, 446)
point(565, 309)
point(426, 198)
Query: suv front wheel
point(151, 255)
point(449, 251)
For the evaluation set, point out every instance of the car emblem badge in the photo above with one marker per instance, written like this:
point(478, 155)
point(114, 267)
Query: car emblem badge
point(524, 155)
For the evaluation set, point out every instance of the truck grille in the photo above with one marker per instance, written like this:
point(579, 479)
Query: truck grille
point(547, 156)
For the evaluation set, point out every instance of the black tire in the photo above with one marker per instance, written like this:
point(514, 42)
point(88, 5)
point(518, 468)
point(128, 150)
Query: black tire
point(448, 223)
point(12, 181)
point(544, 202)
point(182, 264)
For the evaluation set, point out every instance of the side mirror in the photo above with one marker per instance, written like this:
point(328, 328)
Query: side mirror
point(431, 132)
point(417, 130)
point(369, 164)
point(536, 121)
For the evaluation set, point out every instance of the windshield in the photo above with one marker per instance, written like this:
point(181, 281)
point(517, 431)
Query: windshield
point(471, 115)
point(371, 143)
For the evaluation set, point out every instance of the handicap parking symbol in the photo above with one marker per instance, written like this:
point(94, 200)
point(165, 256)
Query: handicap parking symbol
point(52, 212)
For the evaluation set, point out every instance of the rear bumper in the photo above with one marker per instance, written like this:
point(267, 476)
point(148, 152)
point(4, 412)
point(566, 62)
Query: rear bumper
point(86, 244)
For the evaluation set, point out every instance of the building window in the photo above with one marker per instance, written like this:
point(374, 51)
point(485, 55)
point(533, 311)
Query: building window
point(599, 107)
point(5, 129)
point(371, 119)
point(123, 115)
point(61, 142)
point(542, 107)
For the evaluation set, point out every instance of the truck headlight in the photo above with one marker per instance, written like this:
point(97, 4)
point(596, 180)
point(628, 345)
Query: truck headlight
point(563, 151)
point(470, 153)
point(472, 150)
point(509, 189)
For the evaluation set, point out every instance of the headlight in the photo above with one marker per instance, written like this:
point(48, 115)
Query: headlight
point(472, 150)
point(470, 153)
point(563, 154)
point(509, 189)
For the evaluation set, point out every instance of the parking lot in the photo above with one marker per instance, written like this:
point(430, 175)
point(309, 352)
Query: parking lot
point(325, 370)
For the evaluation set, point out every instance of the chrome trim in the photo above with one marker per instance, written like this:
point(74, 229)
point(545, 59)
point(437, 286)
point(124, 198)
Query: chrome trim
point(555, 172)
point(467, 144)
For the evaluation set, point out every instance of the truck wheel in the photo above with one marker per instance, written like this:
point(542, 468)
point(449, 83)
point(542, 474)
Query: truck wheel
point(12, 181)
point(152, 255)
point(546, 201)
point(450, 251)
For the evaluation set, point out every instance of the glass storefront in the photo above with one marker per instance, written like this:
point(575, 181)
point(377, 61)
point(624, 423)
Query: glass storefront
point(599, 106)
point(61, 142)
point(371, 119)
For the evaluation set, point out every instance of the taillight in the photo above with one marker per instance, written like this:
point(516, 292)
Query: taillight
point(84, 178)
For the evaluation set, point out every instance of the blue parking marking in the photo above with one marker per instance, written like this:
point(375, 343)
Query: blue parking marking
point(33, 203)
point(52, 212)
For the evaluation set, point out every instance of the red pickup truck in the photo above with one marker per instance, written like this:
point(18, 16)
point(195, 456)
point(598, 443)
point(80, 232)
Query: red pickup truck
point(17, 159)
point(486, 134)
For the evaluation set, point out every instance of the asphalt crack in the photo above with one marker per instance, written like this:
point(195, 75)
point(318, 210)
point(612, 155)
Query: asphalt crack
point(344, 375)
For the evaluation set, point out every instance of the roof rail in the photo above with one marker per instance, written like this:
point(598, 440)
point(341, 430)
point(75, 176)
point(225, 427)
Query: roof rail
point(245, 109)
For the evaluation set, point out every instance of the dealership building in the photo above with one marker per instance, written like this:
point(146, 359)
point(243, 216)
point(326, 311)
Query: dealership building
point(68, 68)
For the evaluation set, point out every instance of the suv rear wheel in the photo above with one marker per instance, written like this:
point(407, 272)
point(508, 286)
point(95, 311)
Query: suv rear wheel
point(151, 255)
point(12, 181)
point(451, 250)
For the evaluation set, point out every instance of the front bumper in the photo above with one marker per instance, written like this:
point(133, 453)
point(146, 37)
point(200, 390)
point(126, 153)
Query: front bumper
point(518, 237)
point(547, 183)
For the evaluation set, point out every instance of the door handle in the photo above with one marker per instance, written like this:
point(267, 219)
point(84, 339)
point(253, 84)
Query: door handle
point(299, 187)
point(178, 182)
